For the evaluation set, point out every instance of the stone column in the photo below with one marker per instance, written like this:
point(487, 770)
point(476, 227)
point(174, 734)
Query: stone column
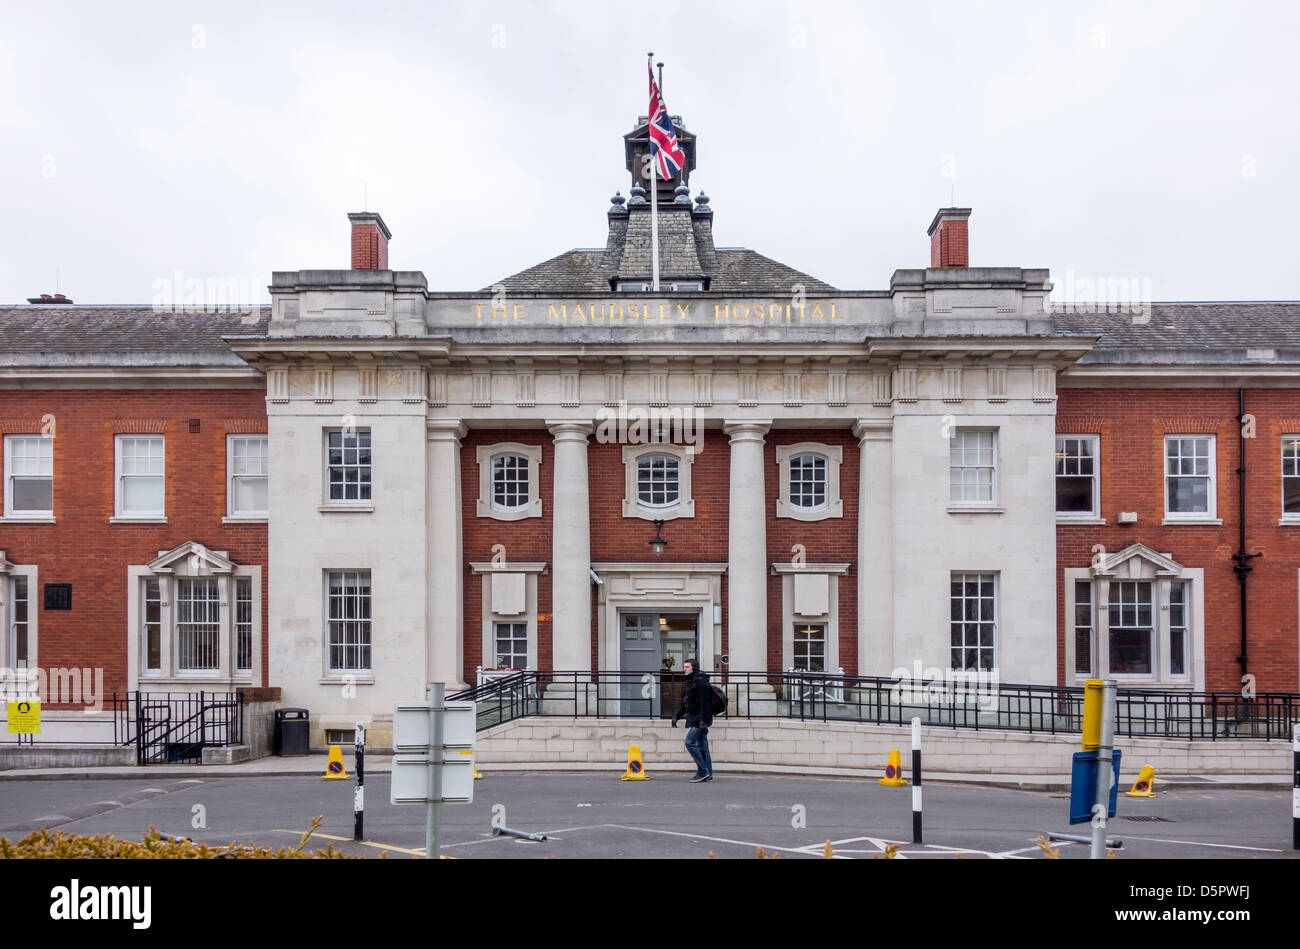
point(445, 646)
point(875, 565)
point(747, 566)
point(571, 548)
point(570, 563)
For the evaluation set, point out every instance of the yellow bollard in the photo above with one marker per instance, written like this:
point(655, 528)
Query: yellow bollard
point(894, 771)
point(1142, 787)
point(477, 776)
point(334, 767)
point(635, 766)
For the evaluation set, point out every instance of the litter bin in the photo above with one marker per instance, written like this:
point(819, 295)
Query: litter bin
point(292, 731)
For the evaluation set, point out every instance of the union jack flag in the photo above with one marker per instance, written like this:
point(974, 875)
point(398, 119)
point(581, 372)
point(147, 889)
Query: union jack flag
point(664, 150)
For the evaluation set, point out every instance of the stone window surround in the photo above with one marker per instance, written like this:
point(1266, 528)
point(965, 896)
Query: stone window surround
point(1160, 572)
point(834, 455)
point(831, 618)
point(179, 562)
point(8, 571)
point(484, 455)
point(488, 571)
point(685, 506)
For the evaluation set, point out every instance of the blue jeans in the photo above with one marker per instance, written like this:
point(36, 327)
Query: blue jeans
point(697, 743)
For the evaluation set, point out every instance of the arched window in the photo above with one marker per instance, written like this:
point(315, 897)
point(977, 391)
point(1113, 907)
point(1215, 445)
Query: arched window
point(658, 480)
point(510, 483)
point(808, 482)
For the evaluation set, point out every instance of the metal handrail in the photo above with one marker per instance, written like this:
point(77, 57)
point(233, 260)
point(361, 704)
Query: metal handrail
point(821, 696)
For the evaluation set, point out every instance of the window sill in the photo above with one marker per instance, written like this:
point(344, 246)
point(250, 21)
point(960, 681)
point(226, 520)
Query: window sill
point(1289, 520)
point(1062, 521)
point(242, 519)
point(186, 678)
point(42, 519)
point(1193, 521)
point(133, 519)
point(972, 509)
point(347, 678)
point(346, 508)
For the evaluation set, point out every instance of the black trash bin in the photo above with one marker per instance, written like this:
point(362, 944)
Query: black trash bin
point(292, 731)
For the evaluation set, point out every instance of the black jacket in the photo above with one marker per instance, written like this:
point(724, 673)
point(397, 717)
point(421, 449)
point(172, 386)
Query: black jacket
point(697, 702)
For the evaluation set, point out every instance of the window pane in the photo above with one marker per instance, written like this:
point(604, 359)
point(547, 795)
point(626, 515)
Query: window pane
point(249, 495)
point(33, 494)
point(142, 494)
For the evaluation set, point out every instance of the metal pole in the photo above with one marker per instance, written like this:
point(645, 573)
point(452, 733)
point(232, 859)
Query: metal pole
point(654, 201)
point(916, 781)
point(431, 829)
point(1295, 789)
point(359, 798)
point(1105, 754)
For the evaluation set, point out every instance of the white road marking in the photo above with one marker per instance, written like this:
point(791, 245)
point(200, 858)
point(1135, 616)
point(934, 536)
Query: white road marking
point(1198, 843)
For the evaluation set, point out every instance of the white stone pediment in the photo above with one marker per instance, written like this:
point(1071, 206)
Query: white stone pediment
point(194, 557)
point(1136, 562)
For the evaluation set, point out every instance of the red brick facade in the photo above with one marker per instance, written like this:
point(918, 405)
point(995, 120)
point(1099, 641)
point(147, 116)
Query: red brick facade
point(1132, 425)
point(84, 549)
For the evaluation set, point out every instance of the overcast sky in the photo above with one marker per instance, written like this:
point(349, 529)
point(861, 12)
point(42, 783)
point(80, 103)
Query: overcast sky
point(227, 140)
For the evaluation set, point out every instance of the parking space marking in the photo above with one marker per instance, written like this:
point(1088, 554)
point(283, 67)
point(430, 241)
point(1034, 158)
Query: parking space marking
point(349, 840)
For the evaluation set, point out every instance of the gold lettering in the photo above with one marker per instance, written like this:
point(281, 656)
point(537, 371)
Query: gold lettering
point(817, 312)
point(496, 310)
point(833, 316)
point(738, 316)
point(612, 308)
point(562, 315)
point(518, 307)
point(479, 308)
point(787, 313)
point(801, 307)
point(577, 312)
point(594, 317)
point(662, 307)
point(633, 311)
point(721, 312)
point(774, 311)
point(683, 310)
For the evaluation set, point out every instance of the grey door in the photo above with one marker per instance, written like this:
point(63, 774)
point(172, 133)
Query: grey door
point(639, 634)
point(655, 644)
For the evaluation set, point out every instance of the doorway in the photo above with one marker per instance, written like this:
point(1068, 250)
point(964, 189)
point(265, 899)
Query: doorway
point(656, 644)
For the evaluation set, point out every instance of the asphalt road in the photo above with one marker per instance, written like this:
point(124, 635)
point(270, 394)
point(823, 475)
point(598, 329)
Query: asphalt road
point(597, 815)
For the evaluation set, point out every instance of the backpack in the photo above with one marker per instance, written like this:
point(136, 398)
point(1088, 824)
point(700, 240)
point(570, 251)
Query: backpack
point(719, 699)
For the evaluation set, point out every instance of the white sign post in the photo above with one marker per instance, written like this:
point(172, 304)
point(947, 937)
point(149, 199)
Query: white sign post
point(429, 730)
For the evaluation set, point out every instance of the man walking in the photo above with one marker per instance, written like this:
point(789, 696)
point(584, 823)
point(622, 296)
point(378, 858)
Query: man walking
point(697, 709)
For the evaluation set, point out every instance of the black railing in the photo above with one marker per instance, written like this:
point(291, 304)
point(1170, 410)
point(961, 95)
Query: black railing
point(162, 726)
point(811, 696)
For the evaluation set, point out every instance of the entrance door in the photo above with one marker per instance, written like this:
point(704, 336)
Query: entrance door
point(655, 644)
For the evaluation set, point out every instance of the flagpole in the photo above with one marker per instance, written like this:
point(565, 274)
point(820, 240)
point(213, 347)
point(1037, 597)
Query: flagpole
point(654, 201)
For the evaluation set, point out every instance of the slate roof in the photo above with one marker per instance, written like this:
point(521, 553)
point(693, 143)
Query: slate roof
point(123, 335)
point(739, 271)
point(1223, 333)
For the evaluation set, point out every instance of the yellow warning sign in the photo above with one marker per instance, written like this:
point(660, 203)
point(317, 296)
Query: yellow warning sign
point(25, 718)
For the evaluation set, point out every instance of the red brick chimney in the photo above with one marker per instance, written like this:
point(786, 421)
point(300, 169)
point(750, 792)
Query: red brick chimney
point(369, 241)
point(949, 238)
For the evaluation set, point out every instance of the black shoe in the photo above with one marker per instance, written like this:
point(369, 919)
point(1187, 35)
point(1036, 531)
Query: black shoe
point(700, 778)
point(709, 778)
